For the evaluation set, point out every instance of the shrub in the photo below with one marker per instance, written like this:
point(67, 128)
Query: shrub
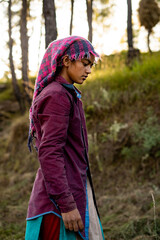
point(145, 139)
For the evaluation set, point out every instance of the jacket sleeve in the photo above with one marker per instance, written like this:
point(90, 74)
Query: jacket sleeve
point(54, 120)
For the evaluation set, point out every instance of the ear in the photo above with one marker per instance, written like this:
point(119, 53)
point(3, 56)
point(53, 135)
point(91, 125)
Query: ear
point(66, 61)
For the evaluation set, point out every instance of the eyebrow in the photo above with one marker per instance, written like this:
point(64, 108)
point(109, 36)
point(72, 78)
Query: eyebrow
point(89, 62)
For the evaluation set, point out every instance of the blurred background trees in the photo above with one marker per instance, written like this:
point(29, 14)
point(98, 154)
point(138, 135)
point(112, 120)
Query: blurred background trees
point(24, 48)
point(16, 88)
point(71, 21)
point(132, 52)
point(149, 16)
point(129, 25)
point(97, 14)
point(49, 13)
point(89, 4)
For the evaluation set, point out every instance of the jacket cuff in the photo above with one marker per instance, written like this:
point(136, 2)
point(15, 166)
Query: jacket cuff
point(66, 204)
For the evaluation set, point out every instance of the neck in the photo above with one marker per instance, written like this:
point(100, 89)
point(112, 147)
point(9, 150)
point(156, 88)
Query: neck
point(64, 74)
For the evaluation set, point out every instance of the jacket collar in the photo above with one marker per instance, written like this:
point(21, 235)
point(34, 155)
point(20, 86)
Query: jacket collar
point(61, 80)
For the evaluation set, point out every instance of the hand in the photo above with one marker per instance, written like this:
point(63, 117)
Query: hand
point(72, 220)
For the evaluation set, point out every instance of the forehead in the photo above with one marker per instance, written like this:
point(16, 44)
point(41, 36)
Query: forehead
point(90, 59)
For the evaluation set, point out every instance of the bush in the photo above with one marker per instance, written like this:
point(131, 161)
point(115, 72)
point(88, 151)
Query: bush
point(145, 139)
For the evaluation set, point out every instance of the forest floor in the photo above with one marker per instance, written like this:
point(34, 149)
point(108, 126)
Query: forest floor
point(127, 192)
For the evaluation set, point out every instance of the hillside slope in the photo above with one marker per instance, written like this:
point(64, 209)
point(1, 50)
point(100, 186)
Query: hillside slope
point(123, 116)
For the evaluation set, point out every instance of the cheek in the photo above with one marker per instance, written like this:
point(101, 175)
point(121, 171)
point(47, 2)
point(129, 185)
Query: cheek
point(78, 70)
point(73, 72)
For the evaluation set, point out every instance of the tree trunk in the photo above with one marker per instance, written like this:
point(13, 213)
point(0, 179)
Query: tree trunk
point(24, 49)
point(148, 40)
point(49, 13)
point(129, 25)
point(14, 79)
point(132, 52)
point(71, 22)
point(89, 4)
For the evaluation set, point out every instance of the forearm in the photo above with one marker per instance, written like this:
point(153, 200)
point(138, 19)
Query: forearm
point(53, 169)
point(54, 121)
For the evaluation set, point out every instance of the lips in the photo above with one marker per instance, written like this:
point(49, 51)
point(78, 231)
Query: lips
point(84, 77)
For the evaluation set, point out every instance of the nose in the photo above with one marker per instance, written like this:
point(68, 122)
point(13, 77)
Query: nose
point(88, 69)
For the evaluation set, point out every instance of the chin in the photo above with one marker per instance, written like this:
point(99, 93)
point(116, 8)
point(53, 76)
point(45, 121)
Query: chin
point(79, 82)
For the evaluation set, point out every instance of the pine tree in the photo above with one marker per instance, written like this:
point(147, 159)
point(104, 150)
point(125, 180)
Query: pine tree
point(16, 89)
point(24, 49)
point(49, 13)
point(149, 16)
point(71, 22)
point(89, 4)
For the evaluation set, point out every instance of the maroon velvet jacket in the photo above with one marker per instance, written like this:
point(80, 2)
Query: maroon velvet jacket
point(61, 140)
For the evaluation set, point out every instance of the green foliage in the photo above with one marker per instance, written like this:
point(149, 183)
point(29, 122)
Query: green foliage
point(144, 137)
point(116, 85)
point(7, 232)
point(116, 100)
point(114, 130)
point(149, 13)
point(7, 93)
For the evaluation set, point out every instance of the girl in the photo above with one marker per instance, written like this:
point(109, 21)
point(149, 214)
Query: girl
point(62, 205)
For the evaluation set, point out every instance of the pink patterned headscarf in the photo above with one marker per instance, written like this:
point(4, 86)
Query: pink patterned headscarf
point(75, 47)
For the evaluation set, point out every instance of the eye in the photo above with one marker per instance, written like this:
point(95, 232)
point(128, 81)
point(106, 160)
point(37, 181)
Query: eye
point(85, 64)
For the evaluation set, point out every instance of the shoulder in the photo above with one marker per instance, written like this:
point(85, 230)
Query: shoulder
point(52, 95)
point(53, 87)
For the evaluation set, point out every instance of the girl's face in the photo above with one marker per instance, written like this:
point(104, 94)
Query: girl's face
point(77, 71)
